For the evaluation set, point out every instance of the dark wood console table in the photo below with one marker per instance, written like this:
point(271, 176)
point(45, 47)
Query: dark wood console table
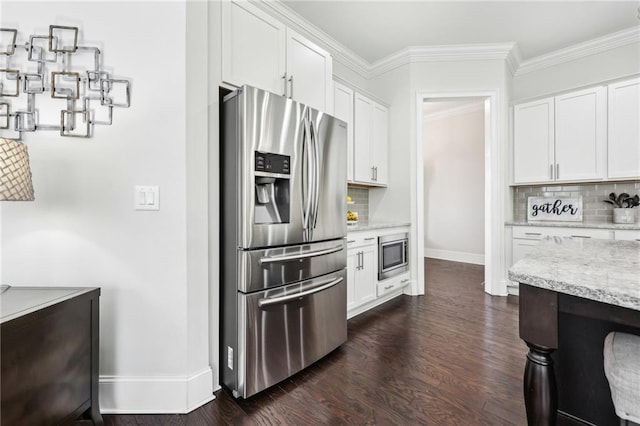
point(572, 294)
point(49, 341)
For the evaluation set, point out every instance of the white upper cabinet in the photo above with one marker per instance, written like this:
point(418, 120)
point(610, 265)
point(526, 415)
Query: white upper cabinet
point(260, 51)
point(624, 130)
point(561, 139)
point(343, 109)
point(253, 47)
point(380, 138)
point(533, 141)
point(309, 73)
point(371, 142)
point(581, 135)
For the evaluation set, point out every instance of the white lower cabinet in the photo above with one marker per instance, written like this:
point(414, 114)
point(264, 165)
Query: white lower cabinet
point(391, 284)
point(364, 291)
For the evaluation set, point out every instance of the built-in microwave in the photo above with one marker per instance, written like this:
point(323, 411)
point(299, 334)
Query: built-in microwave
point(393, 255)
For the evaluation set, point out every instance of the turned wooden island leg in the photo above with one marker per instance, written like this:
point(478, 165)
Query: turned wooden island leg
point(539, 329)
point(540, 391)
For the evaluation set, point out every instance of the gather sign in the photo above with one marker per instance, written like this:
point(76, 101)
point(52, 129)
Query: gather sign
point(554, 208)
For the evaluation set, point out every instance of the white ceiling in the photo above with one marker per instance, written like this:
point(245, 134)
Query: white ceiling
point(375, 29)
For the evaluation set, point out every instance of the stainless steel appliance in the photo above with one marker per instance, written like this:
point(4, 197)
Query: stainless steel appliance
point(393, 255)
point(283, 249)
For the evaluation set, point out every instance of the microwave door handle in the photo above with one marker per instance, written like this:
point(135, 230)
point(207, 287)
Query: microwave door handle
point(289, 297)
point(290, 257)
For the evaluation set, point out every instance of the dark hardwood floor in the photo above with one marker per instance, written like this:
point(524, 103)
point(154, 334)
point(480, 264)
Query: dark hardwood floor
point(452, 357)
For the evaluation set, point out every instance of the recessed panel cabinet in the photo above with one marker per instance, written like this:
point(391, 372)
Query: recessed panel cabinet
point(581, 135)
point(371, 141)
point(623, 148)
point(561, 139)
point(343, 109)
point(260, 51)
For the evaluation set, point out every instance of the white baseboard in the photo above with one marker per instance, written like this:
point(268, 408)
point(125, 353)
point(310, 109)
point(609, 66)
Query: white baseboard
point(155, 395)
point(456, 256)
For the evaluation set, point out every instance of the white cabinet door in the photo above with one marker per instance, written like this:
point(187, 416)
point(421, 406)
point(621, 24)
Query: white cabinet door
point(623, 144)
point(362, 124)
point(371, 142)
point(581, 144)
point(533, 141)
point(309, 73)
point(253, 46)
point(380, 144)
point(343, 109)
point(352, 268)
point(522, 247)
point(627, 234)
point(366, 277)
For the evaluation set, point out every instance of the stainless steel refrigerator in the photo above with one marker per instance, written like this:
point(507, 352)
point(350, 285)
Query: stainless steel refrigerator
point(283, 249)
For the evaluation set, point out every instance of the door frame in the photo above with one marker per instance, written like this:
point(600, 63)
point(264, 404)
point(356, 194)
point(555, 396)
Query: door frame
point(494, 178)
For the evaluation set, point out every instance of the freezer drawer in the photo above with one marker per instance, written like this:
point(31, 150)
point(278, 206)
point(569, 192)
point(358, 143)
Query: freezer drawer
point(285, 330)
point(269, 268)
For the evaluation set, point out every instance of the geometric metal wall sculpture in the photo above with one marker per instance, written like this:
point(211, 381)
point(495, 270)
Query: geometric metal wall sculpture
point(79, 99)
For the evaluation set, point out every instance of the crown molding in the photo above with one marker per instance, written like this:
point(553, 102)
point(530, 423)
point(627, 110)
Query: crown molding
point(457, 52)
point(338, 51)
point(509, 52)
point(580, 50)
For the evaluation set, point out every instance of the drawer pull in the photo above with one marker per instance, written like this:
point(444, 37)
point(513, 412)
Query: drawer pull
point(388, 287)
point(351, 241)
point(404, 281)
point(532, 233)
point(370, 238)
point(580, 236)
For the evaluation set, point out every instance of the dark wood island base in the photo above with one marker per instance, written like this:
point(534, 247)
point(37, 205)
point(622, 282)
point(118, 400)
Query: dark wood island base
point(49, 361)
point(564, 381)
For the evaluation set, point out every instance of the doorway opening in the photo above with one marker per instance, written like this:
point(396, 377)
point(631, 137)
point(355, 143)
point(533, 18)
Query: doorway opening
point(458, 201)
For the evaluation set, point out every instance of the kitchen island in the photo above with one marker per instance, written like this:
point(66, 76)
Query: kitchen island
point(573, 292)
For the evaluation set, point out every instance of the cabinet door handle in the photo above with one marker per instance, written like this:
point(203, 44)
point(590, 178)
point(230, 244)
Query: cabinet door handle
point(370, 238)
point(376, 173)
point(284, 82)
point(551, 171)
point(388, 287)
point(404, 281)
point(557, 171)
point(373, 176)
point(351, 241)
point(291, 87)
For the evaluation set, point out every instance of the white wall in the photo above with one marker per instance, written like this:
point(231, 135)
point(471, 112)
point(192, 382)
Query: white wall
point(454, 183)
point(82, 229)
point(587, 71)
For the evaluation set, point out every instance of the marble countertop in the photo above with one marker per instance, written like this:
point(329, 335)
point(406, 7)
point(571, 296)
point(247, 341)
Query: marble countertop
point(602, 270)
point(368, 226)
point(596, 225)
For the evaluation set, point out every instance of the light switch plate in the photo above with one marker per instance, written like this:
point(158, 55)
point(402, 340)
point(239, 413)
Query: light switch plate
point(147, 197)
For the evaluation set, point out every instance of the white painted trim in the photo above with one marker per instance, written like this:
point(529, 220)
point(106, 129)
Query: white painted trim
point(457, 52)
point(580, 50)
point(455, 256)
point(494, 178)
point(155, 395)
point(376, 302)
point(450, 112)
point(509, 51)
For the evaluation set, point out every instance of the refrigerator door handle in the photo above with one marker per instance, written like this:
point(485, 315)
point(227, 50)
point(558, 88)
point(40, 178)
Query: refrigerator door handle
point(316, 183)
point(307, 184)
point(286, 258)
point(289, 297)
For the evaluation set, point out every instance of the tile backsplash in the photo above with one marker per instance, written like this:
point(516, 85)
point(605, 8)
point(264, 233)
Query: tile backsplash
point(593, 194)
point(360, 198)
